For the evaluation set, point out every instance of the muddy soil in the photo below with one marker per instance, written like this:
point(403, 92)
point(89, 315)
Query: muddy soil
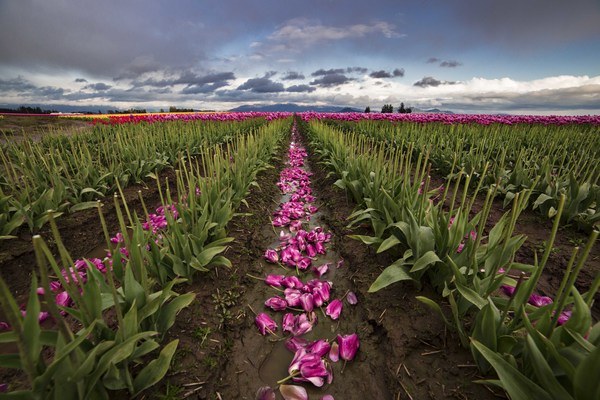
point(17, 127)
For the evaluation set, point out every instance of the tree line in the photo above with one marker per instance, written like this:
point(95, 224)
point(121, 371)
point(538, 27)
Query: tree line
point(388, 108)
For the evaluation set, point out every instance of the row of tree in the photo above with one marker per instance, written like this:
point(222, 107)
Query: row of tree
point(388, 108)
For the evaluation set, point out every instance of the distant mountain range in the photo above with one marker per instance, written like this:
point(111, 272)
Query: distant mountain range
point(282, 107)
point(292, 107)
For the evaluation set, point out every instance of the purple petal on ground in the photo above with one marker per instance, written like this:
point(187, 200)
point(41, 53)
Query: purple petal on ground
point(352, 299)
point(265, 393)
point(334, 309)
point(349, 344)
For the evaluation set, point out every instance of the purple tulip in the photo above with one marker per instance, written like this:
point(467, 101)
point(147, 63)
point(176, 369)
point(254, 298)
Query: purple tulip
point(319, 347)
point(304, 263)
point(293, 392)
point(327, 397)
point(274, 280)
point(334, 309)
point(295, 343)
point(276, 303)
point(349, 344)
point(3, 387)
point(265, 324)
point(63, 299)
point(309, 367)
point(320, 247)
point(508, 290)
point(287, 325)
point(311, 250)
point(295, 226)
point(292, 297)
point(539, 301)
point(352, 299)
point(4, 326)
point(307, 302)
point(292, 282)
point(564, 317)
point(271, 256)
point(265, 393)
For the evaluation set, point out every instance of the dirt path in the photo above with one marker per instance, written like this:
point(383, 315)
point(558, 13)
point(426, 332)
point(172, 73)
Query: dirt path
point(405, 352)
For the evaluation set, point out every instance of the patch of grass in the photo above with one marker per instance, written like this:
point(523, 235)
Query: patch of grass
point(202, 333)
point(209, 362)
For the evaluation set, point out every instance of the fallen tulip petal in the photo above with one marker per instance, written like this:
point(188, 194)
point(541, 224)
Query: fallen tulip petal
point(293, 392)
point(265, 324)
point(334, 309)
point(351, 297)
point(334, 352)
point(349, 345)
point(265, 393)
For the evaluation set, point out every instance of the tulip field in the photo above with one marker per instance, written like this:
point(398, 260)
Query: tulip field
point(301, 256)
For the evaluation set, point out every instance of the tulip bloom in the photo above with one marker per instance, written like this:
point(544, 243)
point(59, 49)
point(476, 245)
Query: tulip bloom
point(539, 301)
point(349, 345)
point(265, 324)
point(334, 309)
point(274, 280)
point(276, 303)
point(319, 347)
point(272, 256)
point(321, 270)
point(307, 302)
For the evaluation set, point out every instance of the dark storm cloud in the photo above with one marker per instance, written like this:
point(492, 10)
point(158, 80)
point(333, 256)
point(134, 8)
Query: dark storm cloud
point(527, 24)
point(292, 75)
point(300, 89)
point(18, 84)
point(339, 71)
point(98, 86)
point(380, 74)
point(450, 64)
point(330, 80)
point(323, 72)
point(93, 37)
point(398, 72)
point(429, 81)
point(204, 88)
point(189, 78)
point(262, 85)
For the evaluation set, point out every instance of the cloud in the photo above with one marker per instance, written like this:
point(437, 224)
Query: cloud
point(300, 89)
point(18, 84)
point(305, 32)
point(292, 75)
point(81, 80)
point(398, 72)
point(429, 81)
point(330, 80)
point(433, 60)
point(262, 85)
point(98, 86)
point(195, 83)
point(450, 64)
point(380, 74)
point(338, 71)
point(204, 87)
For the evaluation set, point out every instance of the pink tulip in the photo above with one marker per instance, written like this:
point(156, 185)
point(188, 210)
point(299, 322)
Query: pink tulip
point(307, 302)
point(4, 326)
point(508, 290)
point(272, 256)
point(292, 297)
point(265, 324)
point(274, 280)
point(304, 263)
point(349, 345)
point(327, 397)
point(334, 309)
point(319, 347)
point(311, 250)
point(288, 322)
point(292, 282)
point(564, 317)
point(276, 303)
point(63, 299)
point(295, 343)
point(539, 301)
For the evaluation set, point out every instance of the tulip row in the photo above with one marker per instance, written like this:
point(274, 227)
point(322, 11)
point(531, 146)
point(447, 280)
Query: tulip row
point(528, 340)
point(550, 159)
point(297, 250)
point(452, 119)
point(66, 173)
point(135, 282)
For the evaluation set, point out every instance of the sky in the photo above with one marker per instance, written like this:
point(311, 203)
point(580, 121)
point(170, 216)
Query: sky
point(474, 56)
